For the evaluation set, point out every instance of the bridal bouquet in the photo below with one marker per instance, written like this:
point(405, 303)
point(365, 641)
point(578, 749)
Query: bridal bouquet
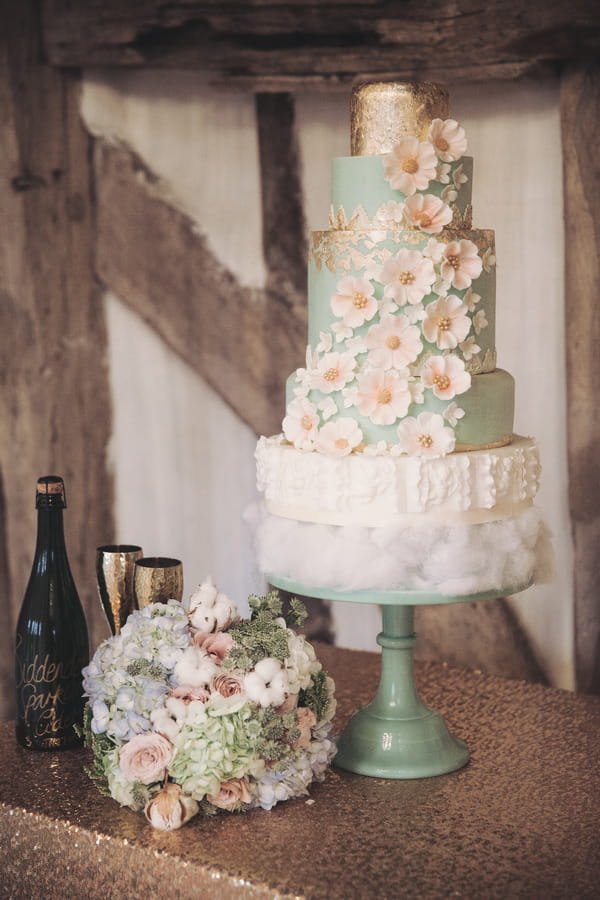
point(193, 710)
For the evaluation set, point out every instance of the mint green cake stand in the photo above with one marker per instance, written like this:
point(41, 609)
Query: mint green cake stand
point(396, 735)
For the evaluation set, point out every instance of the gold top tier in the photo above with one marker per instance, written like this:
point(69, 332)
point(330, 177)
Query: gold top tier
point(383, 112)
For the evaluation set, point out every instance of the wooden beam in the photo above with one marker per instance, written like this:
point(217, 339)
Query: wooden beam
point(54, 404)
point(243, 341)
point(258, 42)
point(580, 102)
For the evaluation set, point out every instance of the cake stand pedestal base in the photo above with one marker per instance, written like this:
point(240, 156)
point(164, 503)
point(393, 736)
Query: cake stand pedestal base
point(396, 735)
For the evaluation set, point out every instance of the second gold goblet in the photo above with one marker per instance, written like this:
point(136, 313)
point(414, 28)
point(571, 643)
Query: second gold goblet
point(115, 564)
point(157, 579)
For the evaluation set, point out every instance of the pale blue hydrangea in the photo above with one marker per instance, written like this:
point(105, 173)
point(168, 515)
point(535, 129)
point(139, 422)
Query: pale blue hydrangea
point(274, 787)
point(130, 673)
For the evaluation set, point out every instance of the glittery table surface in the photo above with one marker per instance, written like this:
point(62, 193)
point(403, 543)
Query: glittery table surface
point(522, 820)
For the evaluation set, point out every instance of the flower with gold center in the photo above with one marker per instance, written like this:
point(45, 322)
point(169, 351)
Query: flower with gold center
point(339, 438)
point(448, 138)
point(354, 301)
point(446, 322)
point(446, 376)
point(461, 264)
point(383, 396)
point(301, 423)
point(410, 166)
point(407, 277)
point(427, 212)
point(426, 435)
point(333, 372)
point(393, 342)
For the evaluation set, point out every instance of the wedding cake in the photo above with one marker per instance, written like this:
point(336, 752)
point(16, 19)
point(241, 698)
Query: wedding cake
point(397, 467)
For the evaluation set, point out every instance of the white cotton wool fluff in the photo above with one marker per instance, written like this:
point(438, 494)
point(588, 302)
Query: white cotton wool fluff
point(457, 559)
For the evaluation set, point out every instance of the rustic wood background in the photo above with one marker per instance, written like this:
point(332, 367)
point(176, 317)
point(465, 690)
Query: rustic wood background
point(71, 209)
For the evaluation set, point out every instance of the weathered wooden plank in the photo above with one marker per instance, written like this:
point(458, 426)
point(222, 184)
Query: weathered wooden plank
point(285, 248)
point(485, 636)
point(239, 339)
point(333, 40)
point(580, 102)
point(54, 403)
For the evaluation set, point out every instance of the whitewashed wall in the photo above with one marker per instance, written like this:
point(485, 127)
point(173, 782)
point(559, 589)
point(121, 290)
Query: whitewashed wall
point(183, 462)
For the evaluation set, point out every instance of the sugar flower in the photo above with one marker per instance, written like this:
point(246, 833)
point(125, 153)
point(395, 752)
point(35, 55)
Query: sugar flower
point(209, 609)
point(479, 321)
point(461, 264)
point(448, 139)
point(354, 301)
point(339, 438)
point(407, 277)
point(427, 213)
point(410, 166)
point(393, 342)
point(469, 348)
point(301, 423)
point(446, 322)
point(383, 396)
point(471, 299)
point(453, 413)
point(446, 376)
point(333, 372)
point(426, 436)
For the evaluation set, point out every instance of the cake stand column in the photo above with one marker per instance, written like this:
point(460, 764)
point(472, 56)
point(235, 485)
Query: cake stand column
point(397, 735)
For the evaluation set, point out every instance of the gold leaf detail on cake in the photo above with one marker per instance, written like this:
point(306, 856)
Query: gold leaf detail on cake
point(381, 113)
point(479, 365)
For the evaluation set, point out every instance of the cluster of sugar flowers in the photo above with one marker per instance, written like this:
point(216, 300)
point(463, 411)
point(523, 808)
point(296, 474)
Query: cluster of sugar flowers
point(412, 165)
point(192, 709)
point(405, 326)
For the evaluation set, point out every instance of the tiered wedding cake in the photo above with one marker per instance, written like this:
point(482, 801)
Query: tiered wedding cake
point(398, 468)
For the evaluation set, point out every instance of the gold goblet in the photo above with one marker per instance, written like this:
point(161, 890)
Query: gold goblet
point(115, 566)
point(157, 579)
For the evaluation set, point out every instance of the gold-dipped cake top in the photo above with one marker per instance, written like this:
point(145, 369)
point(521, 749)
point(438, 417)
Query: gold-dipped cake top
point(383, 112)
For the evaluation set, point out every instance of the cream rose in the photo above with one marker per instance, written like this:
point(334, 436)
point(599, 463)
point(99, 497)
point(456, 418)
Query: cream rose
point(232, 794)
point(145, 757)
point(170, 808)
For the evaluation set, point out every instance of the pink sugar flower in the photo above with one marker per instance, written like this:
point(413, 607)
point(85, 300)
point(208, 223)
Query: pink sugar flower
point(461, 264)
point(446, 376)
point(407, 277)
point(333, 372)
point(448, 139)
point(354, 301)
point(426, 436)
point(383, 396)
point(410, 166)
point(394, 343)
point(427, 212)
point(339, 438)
point(446, 322)
point(301, 423)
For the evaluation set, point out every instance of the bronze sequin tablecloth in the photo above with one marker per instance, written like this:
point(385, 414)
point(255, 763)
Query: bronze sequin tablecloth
point(520, 821)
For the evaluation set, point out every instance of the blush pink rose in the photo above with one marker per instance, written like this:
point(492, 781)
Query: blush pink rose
point(188, 693)
point(145, 757)
point(290, 703)
point(231, 795)
point(227, 685)
point(216, 644)
point(306, 721)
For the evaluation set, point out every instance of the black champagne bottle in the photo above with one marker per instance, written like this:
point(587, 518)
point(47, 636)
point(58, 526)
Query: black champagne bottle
point(52, 643)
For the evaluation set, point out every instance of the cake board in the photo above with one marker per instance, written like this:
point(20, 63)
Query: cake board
point(396, 735)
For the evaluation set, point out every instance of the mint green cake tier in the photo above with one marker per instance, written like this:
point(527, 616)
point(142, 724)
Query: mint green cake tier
point(335, 254)
point(358, 181)
point(488, 411)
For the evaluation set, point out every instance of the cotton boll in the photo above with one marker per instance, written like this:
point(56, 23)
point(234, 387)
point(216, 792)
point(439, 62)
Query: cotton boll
point(196, 667)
